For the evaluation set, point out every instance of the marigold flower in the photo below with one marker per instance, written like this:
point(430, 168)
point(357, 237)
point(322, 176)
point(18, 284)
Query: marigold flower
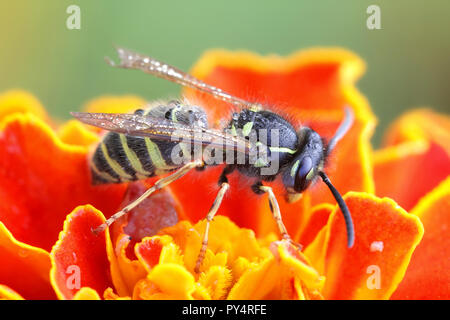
point(49, 206)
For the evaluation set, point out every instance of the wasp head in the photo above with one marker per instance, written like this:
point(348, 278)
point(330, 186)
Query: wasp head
point(305, 165)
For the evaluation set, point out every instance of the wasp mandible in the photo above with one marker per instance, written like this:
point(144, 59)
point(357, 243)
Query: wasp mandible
point(174, 137)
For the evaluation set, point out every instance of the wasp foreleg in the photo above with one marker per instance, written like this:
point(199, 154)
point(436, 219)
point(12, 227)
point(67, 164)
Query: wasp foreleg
point(275, 208)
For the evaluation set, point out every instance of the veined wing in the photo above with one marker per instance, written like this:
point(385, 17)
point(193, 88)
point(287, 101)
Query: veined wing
point(163, 129)
point(133, 60)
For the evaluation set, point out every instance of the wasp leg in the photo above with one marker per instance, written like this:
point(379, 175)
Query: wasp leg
point(212, 212)
point(161, 183)
point(275, 208)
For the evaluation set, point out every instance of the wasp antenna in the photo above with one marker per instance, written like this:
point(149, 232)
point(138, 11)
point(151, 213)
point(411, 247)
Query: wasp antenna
point(344, 209)
point(342, 130)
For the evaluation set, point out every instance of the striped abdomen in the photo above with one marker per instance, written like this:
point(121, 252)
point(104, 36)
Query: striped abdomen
point(122, 158)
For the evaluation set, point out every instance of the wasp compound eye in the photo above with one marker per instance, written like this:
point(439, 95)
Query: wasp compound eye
point(303, 174)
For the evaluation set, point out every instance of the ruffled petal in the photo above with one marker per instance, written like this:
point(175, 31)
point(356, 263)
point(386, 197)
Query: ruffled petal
point(216, 280)
point(407, 171)
point(125, 272)
point(149, 250)
point(154, 213)
point(172, 280)
point(298, 278)
point(385, 238)
point(79, 257)
point(19, 101)
point(417, 156)
point(226, 236)
point(420, 125)
point(42, 179)
point(24, 269)
point(286, 274)
point(315, 222)
point(256, 282)
point(75, 133)
point(428, 273)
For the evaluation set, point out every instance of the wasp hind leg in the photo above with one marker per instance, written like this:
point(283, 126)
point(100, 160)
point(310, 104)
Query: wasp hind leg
point(276, 214)
point(161, 183)
point(224, 186)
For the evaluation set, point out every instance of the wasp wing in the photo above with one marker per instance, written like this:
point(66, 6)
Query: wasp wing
point(163, 129)
point(133, 60)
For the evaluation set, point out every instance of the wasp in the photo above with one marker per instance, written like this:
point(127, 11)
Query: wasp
point(170, 139)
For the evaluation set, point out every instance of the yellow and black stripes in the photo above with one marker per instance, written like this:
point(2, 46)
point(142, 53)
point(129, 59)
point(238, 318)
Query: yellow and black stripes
point(121, 158)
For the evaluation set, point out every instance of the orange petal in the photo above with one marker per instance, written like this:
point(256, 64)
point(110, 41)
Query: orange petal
point(417, 150)
point(311, 88)
point(149, 250)
point(420, 124)
point(316, 221)
point(300, 79)
point(79, 257)
point(407, 171)
point(428, 274)
point(23, 268)
point(197, 190)
point(21, 102)
point(385, 238)
point(42, 178)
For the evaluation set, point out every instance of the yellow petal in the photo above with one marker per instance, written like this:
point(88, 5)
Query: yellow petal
point(86, 293)
point(216, 280)
point(6, 293)
point(292, 259)
point(115, 104)
point(75, 133)
point(20, 101)
point(256, 282)
point(173, 279)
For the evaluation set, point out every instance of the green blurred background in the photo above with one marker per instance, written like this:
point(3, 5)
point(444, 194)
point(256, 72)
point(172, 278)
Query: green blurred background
point(408, 59)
